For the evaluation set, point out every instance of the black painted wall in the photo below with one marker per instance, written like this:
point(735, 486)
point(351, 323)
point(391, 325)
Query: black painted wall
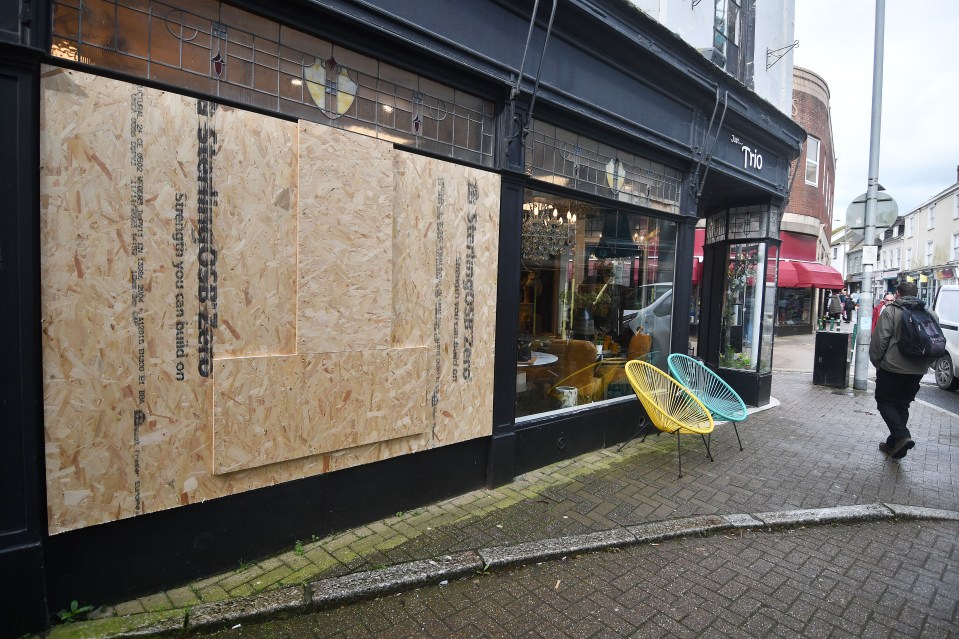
point(22, 523)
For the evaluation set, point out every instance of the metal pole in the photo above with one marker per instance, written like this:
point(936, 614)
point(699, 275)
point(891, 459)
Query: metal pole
point(866, 298)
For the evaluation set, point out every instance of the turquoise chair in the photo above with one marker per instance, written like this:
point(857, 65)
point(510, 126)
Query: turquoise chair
point(721, 400)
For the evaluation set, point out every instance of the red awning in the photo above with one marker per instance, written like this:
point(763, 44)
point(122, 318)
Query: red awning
point(788, 278)
point(697, 271)
point(818, 275)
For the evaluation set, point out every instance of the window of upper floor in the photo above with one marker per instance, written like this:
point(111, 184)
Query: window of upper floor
point(955, 246)
point(733, 28)
point(908, 264)
point(812, 161)
point(931, 217)
point(835, 252)
point(897, 260)
point(955, 206)
point(928, 261)
point(909, 226)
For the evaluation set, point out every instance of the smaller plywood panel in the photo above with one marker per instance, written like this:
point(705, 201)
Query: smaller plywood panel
point(414, 250)
point(444, 285)
point(345, 241)
point(274, 409)
point(254, 174)
point(467, 326)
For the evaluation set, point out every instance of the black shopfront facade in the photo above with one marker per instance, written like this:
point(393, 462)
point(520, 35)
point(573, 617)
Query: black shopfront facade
point(617, 126)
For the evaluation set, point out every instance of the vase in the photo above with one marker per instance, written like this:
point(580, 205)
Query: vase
point(583, 327)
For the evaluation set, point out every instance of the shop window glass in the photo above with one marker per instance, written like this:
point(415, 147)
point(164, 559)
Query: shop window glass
point(222, 51)
point(743, 310)
point(596, 291)
point(793, 306)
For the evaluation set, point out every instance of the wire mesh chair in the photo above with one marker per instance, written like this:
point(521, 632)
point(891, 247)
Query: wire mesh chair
point(721, 400)
point(670, 406)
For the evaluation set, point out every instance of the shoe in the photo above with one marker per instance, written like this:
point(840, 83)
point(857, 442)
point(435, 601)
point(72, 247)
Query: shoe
point(901, 447)
point(886, 448)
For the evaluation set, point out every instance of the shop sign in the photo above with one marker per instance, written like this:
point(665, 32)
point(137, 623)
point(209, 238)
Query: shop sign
point(752, 158)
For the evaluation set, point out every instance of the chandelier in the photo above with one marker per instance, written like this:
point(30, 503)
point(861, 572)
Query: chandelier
point(545, 232)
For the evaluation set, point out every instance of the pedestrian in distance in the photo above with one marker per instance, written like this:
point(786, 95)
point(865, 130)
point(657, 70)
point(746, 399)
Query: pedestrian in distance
point(834, 306)
point(897, 375)
point(848, 306)
point(888, 298)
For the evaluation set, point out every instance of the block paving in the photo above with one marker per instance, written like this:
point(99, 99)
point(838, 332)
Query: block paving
point(816, 449)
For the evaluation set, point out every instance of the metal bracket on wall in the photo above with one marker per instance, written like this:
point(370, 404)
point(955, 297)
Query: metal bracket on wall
point(706, 157)
point(523, 128)
point(695, 2)
point(777, 54)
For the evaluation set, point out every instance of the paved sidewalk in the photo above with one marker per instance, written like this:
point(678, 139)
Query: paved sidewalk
point(813, 451)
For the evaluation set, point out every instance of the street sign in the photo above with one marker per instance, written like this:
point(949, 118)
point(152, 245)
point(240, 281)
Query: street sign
point(886, 211)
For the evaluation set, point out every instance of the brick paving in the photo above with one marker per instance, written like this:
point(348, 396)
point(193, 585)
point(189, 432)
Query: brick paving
point(818, 449)
point(887, 579)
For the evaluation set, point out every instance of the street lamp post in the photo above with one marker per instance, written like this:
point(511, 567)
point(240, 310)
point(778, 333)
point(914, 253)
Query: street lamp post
point(866, 300)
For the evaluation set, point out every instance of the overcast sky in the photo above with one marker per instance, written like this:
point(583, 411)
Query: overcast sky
point(919, 144)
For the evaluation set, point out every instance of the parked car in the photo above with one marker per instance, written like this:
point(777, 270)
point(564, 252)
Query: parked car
point(655, 319)
point(947, 308)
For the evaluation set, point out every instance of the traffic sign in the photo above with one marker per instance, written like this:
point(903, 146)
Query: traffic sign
point(886, 211)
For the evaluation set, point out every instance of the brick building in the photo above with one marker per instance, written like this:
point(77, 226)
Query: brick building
point(804, 271)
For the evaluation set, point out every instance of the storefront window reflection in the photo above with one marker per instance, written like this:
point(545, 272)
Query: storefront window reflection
point(741, 319)
point(595, 292)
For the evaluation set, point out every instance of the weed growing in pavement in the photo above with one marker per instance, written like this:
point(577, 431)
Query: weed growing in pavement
point(75, 613)
point(298, 548)
point(244, 565)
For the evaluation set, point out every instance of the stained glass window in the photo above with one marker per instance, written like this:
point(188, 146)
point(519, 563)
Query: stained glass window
point(213, 48)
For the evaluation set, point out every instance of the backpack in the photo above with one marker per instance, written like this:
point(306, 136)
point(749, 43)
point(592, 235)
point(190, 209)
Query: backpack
point(834, 305)
point(920, 335)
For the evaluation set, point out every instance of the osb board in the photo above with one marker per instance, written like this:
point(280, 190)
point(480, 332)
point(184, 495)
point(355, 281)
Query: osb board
point(117, 182)
point(444, 286)
point(345, 241)
point(107, 280)
point(272, 409)
point(254, 176)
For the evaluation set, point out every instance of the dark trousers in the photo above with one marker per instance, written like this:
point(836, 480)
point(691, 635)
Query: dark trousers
point(894, 394)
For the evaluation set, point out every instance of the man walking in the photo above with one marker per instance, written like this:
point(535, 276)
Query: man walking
point(897, 375)
point(834, 306)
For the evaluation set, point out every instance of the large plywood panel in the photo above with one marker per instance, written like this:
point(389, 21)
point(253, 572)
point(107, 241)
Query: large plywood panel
point(254, 170)
point(177, 408)
point(345, 241)
point(124, 394)
point(272, 409)
point(90, 335)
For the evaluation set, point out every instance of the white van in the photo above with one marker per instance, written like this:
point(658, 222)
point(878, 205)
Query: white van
point(656, 319)
point(947, 308)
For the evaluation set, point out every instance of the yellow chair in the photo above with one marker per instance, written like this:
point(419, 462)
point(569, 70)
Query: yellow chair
point(669, 405)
